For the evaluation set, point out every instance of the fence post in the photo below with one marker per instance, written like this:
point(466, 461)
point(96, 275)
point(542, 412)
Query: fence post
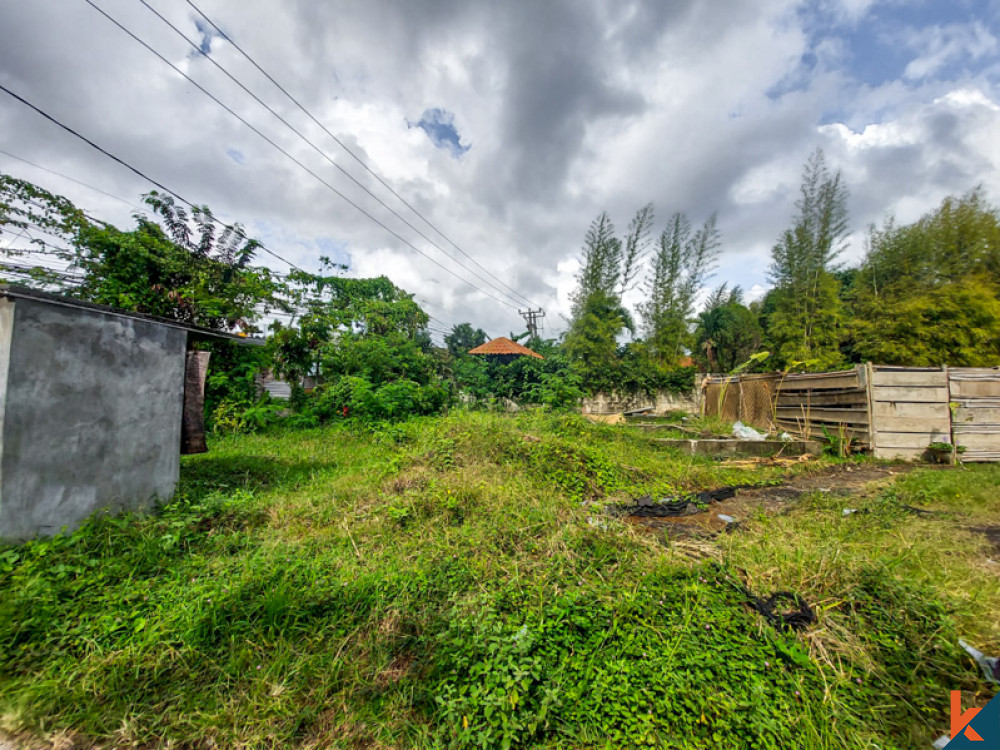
point(869, 377)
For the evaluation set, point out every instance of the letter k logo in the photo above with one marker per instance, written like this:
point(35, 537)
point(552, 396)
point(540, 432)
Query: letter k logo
point(960, 721)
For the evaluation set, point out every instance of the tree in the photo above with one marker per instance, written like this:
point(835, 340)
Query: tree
point(807, 310)
point(955, 324)
point(464, 337)
point(598, 314)
point(187, 272)
point(331, 308)
point(926, 293)
point(727, 332)
point(960, 238)
point(635, 247)
point(601, 264)
point(592, 340)
point(684, 260)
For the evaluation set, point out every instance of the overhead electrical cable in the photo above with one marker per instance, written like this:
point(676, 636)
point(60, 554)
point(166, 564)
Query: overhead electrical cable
point(132, 169)
point(199, 49)
point(67, 177)
point(129, 167)
point(289, 156)
point(343, 145)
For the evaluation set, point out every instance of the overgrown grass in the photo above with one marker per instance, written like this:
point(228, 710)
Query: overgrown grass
point(454, 582)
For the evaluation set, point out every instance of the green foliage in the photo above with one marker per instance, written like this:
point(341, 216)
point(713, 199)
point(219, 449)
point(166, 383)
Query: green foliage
point(805, 309)
point(683, 262)
point(551, 381)
point(437, 583)
point(353, 397)
point(957, 324)
point(187, 272)
point(592, 340)
point(601, 266)
point(727, 332)
point(462, 338)
point(958, 240)
point(927, 293)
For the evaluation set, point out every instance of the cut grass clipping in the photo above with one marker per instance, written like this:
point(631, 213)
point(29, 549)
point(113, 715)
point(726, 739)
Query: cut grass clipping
point(443, 583)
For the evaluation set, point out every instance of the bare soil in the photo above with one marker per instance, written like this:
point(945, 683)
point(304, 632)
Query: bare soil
point(992, 534)
point(839, 480)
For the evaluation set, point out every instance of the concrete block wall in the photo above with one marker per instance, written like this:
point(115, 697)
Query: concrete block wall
point(662, 402)
point(90, 414)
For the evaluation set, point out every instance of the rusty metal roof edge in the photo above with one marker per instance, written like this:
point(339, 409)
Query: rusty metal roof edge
point(19, 292)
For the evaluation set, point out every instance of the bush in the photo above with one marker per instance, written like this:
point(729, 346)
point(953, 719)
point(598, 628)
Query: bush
point(353, 397)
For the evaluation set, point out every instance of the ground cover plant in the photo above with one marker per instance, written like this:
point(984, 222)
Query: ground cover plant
point(458, 582)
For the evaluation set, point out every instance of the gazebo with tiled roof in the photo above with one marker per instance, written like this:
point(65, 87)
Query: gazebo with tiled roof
point(502, 349)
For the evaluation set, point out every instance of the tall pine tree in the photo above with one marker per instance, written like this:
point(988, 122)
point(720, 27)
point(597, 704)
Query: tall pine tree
point(683, 262)
point(806, 310)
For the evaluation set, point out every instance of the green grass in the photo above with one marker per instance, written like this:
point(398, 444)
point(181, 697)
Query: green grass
point(454, 582)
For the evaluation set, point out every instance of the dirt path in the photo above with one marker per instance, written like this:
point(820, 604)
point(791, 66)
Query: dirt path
point(839, 480)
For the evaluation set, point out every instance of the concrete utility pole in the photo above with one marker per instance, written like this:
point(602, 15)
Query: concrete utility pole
point(531, 318)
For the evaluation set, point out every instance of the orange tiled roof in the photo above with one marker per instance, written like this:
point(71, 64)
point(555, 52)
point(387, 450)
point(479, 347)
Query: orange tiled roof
point(504, 345)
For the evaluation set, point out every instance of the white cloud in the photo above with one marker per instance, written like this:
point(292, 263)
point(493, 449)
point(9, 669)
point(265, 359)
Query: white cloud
point(570, 107)
point(941, 45)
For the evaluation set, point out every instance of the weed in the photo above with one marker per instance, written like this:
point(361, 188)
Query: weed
point(438, 583)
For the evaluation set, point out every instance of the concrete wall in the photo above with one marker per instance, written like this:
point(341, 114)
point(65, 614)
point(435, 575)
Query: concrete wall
point(662, 402)
point(91, 411)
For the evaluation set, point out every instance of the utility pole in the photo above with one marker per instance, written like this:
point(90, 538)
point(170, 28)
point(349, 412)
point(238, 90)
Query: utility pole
point(531, 318)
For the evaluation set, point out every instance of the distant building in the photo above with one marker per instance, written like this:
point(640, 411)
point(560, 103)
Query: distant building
point(96, 407)
point(504, 350)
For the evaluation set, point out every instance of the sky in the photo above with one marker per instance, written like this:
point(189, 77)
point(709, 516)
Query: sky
point(507, 125)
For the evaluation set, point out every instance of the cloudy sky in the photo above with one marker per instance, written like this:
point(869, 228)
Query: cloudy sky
point(509, 125)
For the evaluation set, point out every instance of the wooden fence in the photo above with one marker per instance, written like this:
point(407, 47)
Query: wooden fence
point(975, 411)
point(826, 405)
point(894, 412)
point(909, 410)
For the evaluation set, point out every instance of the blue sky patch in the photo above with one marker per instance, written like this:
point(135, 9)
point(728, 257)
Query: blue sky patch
point(207, 35)
point(893, 41)
point(439, 124)
point(236, 156)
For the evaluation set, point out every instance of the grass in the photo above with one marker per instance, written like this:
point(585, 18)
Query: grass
point(455, 582)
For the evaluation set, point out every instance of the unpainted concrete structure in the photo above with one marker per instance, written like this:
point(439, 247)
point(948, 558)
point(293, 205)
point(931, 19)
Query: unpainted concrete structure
point(91, 405)
point(90, 414)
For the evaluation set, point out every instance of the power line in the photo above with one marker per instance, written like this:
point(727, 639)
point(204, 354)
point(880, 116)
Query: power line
point(67, 177)
point(289, 156)
point(128, 166)
point(200, 50)
point(136, 171)
point(343, 145)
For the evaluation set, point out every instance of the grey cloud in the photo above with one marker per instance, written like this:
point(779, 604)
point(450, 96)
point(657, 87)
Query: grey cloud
point(571, 107)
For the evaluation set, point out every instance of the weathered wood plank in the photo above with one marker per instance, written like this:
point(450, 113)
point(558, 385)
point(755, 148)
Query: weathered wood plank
point(819, 414)
point(911, 439)
point(816, 430)
point(900, 454)
point(910, 409)
point(978, 429)
point(913, 424)
point(919, 379)
point(917, 395)
point(970, 457)
point(975, 388)
point(854, 397)
point(820, 381)
point(979, 441)
point(963, 373)
point(977, 415)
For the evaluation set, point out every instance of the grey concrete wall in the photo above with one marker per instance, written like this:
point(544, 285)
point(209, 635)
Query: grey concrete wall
point(662, 402)
point(92, 411)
